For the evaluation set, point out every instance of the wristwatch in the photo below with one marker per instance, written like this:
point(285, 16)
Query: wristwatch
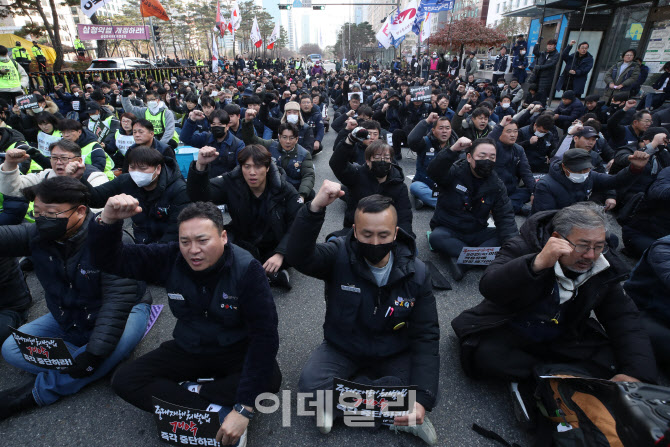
point(243, 411)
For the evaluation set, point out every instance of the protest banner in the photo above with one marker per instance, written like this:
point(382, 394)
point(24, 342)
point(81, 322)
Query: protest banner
point(367, 406)
point(477, 255)
point(179, 425)
point(420, 93)
point(45, 352)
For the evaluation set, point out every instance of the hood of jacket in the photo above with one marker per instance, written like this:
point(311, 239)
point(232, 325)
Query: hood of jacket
point(9, 136)
point(86, 137)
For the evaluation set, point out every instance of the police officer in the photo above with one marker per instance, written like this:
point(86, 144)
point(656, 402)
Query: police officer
point(39, 57)
point(79, 47)
point(381, 325)
point(13, 78)
point(21, 56)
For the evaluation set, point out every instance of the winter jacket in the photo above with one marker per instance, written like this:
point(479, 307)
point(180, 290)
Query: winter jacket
point(296, 164)
point(465, 202)
point(626, 79)
point(511, 164)
point(227, 149)
point(656, 163)
point(362, 183)
point(421, 141)
point(314, 120)
point(160, 207)
point(581, 66)
point(568, 113)
point(140, 112)
point(12, 182)
point(90, 307)
point(555, 191)
point(280, 198)
point(649, 283)
point(516, 94)
point(465, 128)
point(545, 66)
point(513, 291)
point(165, 150)
point(236, 309)
point(653, 214)
point(14, 293)
point(536, 153)
point(367, 321)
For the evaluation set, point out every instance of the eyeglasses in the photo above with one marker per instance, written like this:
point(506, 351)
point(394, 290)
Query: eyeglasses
point(62, 159)
point(583, 248)
point(52, 215)
point(287, 138)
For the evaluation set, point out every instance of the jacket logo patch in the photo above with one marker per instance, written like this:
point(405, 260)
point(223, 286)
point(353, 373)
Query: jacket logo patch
point(225, 296)
point(462, 188)
point(350, 288)
point(404, 302)
point(176, 296)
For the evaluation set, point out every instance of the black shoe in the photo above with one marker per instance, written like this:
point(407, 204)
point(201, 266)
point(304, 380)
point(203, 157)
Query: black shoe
point(316, 151)
point(418, 204)
point(15, 400)
point(524, 211)
point(456, 271)
point(26, 264)
point(281, 279)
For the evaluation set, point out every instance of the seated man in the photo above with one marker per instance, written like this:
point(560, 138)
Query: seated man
point(262, 205)
point(537, 142)
point(512, 165)
point(101, 317)
point(649, 288)
point(475, 126)
point(470, 191)
point(226, 318)
point(362, 341)
point(91, 151)
point(63, 152)
point(539, 293)
point(143, 135)
point(156, 182)
point(293, 159)
point(573, 180)
point(227, 145)
point(377, 176)
point(568, 110)
point(427, 143)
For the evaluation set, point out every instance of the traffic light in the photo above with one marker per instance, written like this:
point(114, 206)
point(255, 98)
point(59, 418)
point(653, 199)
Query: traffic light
point(157, 33)
point(318, 7)
point(285, 6)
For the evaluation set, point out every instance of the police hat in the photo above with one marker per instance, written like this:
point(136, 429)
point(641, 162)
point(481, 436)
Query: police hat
point(577, 159)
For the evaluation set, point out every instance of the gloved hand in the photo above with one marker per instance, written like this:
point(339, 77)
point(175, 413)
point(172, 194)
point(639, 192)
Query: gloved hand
point(358, 135)
point(126, 92)
point(85, 364)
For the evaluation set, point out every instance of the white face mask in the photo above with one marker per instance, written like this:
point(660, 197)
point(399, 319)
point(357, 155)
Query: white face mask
point(293, 119)
point(501, 85)
point(4, 59)
point(154, 106)
point(38, 109)
point(522, 52)
point(94, 117)
point(142, 179)
point(505, 105)
point(186, 83)
point(578, 178)
point(540, 134)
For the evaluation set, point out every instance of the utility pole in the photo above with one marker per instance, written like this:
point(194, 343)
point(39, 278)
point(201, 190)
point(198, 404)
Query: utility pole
point(153, 36)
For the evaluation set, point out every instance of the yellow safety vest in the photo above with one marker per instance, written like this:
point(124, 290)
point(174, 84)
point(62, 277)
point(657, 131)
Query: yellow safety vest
point(37, 52)
point(78, 45)
point(11, 79)
point(86, 152)
point(20, 52)
point(158, 122)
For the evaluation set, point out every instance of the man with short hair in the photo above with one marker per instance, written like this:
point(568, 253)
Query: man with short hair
point(91, 151)
point(568, 110)
point(545, 65)
point(155, 112)
point(577, 68)
point(539, 293)
point(311, 114)
point(13, 77)
point(623, 135)
point(388, 333)
point(143, 135)
point(226, 317)
point(475, 126)
point(427, 139)
point(537, 141)
point(101, 317)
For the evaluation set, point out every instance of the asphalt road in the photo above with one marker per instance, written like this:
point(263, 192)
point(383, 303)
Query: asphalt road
point(97, 417)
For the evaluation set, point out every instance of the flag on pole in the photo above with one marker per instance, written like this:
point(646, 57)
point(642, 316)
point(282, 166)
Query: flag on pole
point(91, 6)
point(273, 37)
point(419, 19)
point(152, 8)
point(256, 37)
point(215, 55)
point(437, 5)
point(403, 20)
point(220, 21)
point(426, 27)
point(235, 18)
point(384, 35)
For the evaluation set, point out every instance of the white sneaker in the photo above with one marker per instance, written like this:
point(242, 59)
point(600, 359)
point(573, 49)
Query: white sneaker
point(327, 422)
point(425, 431)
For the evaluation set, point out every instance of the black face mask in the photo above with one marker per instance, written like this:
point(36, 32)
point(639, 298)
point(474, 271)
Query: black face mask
point(380, 168)
point(218, 131)
point(483, 168)
point(51, 229)
point(393, 103)
point(374, 253)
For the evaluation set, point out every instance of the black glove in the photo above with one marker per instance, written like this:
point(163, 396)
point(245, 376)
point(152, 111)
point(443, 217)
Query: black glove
point(126, 92)
point(358, 134)
point(85, 364)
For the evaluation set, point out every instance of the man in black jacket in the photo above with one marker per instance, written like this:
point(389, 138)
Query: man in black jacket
point(101, 317)
point(226, 318)
point(262, 205)
point(539, 294)
point(545, 65)
point(381, 325)
point(470, 192)
point(377, 176)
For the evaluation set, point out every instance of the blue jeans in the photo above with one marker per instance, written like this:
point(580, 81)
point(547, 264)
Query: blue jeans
point(423, 192)
point(451, 243)
point(653, 100)
point(51, 385)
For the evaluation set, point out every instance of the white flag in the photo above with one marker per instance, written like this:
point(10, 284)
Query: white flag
point(235, 18)
point(215, 55)
point(256, 37)
point(91, 6)
point(384, 33)
point(273, 37)
point(403, 21)
point(426, 27)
